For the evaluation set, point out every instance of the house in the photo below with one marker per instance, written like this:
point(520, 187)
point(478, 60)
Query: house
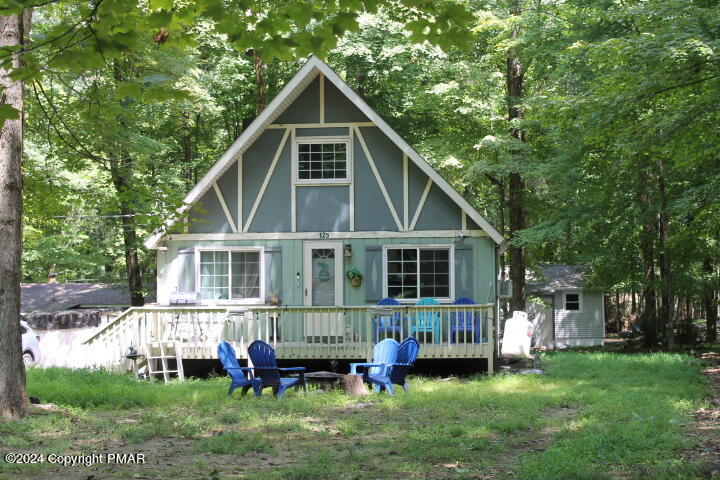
point(564, 312)
point(70, 305)
point(316, 186)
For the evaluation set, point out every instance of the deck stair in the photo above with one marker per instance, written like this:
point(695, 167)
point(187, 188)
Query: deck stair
point(158, 356)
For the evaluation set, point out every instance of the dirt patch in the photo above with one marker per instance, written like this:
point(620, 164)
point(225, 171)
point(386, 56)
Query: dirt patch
point(505, 462)
point(705, 428)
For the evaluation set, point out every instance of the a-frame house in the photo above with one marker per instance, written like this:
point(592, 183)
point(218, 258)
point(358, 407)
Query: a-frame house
point(317, 186)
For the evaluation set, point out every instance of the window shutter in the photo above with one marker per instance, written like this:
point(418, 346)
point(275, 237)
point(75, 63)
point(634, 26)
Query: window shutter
point(186, 270)
point(464, 273)
point(373, 273)
point(273, 275)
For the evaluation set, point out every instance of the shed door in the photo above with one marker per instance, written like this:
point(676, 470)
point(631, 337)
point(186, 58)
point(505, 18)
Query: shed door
point(542, 317)
point(323, 287)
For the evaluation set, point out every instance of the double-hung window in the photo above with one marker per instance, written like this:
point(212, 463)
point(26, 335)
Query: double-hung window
point(323, 160)
point(415, 272)
point(573, 301)
point(233, 274)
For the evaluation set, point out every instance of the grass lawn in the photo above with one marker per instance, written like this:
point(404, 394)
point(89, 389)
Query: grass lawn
point(593, 415)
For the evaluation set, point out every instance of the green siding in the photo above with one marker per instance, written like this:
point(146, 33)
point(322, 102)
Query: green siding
point(292, 264)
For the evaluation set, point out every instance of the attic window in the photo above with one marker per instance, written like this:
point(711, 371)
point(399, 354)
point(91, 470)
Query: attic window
point(572, 301)
point(323, 160)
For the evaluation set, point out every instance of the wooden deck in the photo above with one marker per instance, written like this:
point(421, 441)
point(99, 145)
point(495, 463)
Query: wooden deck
point(295, 332)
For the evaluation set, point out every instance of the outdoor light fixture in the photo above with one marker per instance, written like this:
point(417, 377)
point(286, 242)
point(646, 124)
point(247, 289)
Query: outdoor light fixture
point(348, 250)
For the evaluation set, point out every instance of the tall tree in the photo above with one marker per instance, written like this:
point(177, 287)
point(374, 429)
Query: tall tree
point(14, 30)
point(515, 75)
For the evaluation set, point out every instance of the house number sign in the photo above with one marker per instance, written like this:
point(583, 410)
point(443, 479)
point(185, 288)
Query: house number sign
point(324, 235)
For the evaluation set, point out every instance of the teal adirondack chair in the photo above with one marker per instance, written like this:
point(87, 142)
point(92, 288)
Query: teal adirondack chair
point(427, 321)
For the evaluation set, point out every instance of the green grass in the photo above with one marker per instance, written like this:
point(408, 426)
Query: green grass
point(592, 415)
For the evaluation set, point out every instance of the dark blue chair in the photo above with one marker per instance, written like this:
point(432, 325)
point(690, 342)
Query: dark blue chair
point(464, 321)
point(266, 370)
point(395, 373)
point(387, 323)
point(241, 377)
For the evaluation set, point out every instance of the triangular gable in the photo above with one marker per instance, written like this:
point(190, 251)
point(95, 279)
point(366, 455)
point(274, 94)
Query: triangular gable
point(306, 75)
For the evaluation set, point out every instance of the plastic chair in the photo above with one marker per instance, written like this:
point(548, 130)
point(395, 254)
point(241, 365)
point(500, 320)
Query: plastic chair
point(395, 373)
point(241, 377)
point(427, 321)
point(387, 323)
point(265, 366)
point(464, 321)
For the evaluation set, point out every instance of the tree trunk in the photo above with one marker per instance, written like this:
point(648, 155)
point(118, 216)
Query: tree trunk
point(121, 174)
point(260, 80)
point(648, 316)
point(618, 316)
point(187, 166)
point(501, 225)
point(120, 177)
point(516, 186)
point(711, 307)
point(14, 30)
point(667, 320)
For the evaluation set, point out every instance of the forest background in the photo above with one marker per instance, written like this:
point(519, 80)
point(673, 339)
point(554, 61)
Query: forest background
point(585, 130)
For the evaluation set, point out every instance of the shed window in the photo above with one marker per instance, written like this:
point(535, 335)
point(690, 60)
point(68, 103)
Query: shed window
point(572, 301)
point(323, 161)
point(230, 275)
point(415, 272)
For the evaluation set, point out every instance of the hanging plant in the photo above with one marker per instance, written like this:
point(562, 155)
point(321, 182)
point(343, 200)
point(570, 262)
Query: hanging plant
point(355, 277)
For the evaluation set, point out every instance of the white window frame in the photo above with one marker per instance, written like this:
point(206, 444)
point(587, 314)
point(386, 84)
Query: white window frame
point(244, 301)
point(580, 300)
point(428, 246)
point(323, 181)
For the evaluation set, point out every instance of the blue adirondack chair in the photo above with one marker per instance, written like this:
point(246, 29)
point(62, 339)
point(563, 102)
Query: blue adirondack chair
point(395, 373)
point(384, 353)
point(266, 370)
point(464, 321)
point(387, 323)
point(427, 321)
point(241, 377)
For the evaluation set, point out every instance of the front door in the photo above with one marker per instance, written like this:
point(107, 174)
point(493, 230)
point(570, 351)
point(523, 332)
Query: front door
point(323, 287)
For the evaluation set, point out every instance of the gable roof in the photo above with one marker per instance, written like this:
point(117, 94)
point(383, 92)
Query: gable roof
point(307, 73)
point(54, 297)
point(557, 278)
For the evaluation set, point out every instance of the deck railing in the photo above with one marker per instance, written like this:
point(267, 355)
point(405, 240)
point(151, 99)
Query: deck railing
point(350, 332)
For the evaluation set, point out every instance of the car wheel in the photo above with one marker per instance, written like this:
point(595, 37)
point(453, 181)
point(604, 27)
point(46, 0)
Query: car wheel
point(28, 359)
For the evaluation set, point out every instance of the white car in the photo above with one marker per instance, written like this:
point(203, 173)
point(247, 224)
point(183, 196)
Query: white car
point(30, 345)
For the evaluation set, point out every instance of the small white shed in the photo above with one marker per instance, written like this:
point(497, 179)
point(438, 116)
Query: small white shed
point(564, 313)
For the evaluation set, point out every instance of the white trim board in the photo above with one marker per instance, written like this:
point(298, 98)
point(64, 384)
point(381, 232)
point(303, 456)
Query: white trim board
point(307, 73)
point(224, 206)
point(325, 235)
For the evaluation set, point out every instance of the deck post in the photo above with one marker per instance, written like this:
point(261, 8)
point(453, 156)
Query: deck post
point(368, 335)
point(250, 333)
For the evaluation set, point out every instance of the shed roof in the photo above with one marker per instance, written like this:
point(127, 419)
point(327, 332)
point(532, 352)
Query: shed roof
point(53, 297)
point(558, 277)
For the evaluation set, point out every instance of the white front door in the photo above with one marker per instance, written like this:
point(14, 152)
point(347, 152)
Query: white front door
point(323, 287)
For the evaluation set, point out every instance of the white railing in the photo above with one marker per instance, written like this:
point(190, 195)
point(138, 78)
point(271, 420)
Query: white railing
point(444, 331)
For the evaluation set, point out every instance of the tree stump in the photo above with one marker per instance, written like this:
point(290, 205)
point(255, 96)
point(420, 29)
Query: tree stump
point(354, 385)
